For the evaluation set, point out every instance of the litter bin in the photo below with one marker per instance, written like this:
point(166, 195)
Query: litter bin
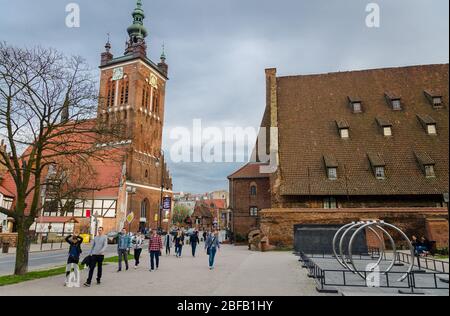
point(5, 247)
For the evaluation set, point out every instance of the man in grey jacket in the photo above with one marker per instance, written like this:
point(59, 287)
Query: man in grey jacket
point(123, 245)
point(97, 254)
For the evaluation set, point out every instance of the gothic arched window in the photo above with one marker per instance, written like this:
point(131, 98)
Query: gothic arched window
point(147, 101)
point(144, 96)
point(253, 190)
point(124, 87)
point(155, 102)
point(110, 93)
point(144, 206)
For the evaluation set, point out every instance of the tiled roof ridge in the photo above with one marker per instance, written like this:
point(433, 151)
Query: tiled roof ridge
point(331, 73)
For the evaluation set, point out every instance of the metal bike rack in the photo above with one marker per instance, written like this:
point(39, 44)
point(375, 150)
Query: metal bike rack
point(373, 226)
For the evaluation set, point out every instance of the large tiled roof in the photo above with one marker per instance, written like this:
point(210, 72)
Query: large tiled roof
point(310, 106)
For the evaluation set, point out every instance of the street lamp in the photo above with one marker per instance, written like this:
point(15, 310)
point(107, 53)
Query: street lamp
point(159, 162)
point(130, 191)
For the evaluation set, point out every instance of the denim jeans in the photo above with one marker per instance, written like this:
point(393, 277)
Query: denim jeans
point(194, 247)
point(123, 253)
point(178, 250)
point(212, 256)
point(154, 258)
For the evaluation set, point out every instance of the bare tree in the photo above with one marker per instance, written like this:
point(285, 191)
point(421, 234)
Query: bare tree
point(48, 105)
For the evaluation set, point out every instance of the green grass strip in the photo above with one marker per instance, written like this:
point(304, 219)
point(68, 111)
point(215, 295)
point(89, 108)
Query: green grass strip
point(35, 275)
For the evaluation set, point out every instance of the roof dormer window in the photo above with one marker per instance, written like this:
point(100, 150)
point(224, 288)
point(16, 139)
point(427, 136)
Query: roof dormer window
point(378, 166)
point(355, 104)
point(385, 126)
point(435, 98)
point(343, 129)
point(428, 123)
point(426, 163)
point(394, 101)
point(331, 166)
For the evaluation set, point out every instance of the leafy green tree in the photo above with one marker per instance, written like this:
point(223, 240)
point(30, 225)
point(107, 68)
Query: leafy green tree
point(180, 213)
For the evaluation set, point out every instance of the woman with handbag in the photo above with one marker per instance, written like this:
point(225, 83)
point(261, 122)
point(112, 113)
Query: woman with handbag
point(212, 245)
point(154, 247)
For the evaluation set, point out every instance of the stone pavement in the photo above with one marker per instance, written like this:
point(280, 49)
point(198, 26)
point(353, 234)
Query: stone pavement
point(238, 272)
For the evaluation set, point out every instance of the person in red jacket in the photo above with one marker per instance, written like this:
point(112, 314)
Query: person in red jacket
point(154, 247)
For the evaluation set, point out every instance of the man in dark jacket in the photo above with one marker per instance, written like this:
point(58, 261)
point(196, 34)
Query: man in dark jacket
point(194, 240)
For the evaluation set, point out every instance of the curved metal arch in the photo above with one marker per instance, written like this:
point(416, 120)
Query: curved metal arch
point(352, 239)
point(341, 244)
point(380, 225)
point(340, 259)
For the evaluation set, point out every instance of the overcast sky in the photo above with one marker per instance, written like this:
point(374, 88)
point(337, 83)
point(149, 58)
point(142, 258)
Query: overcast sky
point(217, 50)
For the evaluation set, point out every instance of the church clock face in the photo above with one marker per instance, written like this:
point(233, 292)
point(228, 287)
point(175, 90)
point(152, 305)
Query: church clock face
point(117, 73)
point(153, 81)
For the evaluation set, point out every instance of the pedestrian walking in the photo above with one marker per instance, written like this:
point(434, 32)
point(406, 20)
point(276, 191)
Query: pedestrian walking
point(205, 235)
point(212, 245)
point(97, 255)
point(179, 242)
point(75, 251)
point(123, 246)
point(138, 244)
point(154, 247)
point(194, 241)
point(168, 243)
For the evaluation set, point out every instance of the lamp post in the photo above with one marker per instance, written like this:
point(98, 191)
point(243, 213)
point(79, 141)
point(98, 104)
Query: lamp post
point(160, 163)
point(131, 191)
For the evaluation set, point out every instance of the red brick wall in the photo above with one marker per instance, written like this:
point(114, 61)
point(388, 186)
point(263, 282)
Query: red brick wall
point(241, 201)
point(279, 223)
point(437, 230)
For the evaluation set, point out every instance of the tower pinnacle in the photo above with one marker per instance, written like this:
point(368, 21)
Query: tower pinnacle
point(137, 32)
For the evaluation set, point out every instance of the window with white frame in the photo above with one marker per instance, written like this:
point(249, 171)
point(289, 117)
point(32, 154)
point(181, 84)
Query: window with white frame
point(332, 173)
point(344, 132)
point(431, 129)
point(356, 107)
point(429, 171)
point(253, 211)
point(329, 202)
point(437, 101)
point(387, 131)
point(380, 173)
point(396, 105)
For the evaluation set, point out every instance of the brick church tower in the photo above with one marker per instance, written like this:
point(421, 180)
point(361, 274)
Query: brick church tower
point(132, 92)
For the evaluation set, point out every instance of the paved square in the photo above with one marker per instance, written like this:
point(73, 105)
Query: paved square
point(238, 272)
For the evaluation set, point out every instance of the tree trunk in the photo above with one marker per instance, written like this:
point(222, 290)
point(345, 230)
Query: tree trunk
point(22, 250)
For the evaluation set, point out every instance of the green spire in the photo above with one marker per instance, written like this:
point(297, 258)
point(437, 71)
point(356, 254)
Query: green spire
point(137, 30)
point(163, 53)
